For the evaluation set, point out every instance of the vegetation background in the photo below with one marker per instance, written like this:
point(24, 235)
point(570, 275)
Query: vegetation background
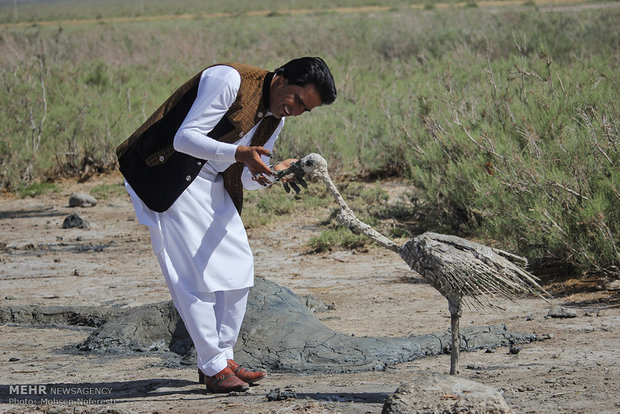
point(502, 117)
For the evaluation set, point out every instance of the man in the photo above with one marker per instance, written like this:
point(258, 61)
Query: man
point(185, 169)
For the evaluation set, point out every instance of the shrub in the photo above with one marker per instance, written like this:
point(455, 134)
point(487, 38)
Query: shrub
point(526, 158)
point(105, 191)
point(336, 237)
point(36, 189)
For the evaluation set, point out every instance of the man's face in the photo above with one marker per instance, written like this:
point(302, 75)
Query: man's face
point(291, 100)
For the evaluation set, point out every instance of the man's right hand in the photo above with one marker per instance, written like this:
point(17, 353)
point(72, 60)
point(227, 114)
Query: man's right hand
point(251, 157)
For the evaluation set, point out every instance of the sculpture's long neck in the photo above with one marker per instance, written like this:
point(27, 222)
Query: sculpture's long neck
point(346, 217)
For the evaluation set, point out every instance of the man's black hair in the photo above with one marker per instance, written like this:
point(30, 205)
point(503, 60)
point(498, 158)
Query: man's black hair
point(312, 70)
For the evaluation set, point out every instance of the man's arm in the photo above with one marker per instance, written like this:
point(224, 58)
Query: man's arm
point(217, 91)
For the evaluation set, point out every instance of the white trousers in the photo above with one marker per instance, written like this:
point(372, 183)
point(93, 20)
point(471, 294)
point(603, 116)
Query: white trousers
point(204, 254)
point(212, 319)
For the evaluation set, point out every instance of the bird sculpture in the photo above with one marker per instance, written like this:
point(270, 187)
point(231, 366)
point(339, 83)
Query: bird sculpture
point(461, 270)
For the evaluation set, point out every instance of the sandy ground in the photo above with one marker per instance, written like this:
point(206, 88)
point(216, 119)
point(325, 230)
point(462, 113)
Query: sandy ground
point(575, 370)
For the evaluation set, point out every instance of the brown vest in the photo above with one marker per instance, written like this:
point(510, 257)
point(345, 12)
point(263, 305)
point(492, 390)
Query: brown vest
point(159, 174)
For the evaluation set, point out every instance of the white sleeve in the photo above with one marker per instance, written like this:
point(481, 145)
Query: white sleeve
point(217, 91)
point(246, 175)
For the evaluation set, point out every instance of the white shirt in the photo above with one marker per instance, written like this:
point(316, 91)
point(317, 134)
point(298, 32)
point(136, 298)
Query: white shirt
point(217, 91)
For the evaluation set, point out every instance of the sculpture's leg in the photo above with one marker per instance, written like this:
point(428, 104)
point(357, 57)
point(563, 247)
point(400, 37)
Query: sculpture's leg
point(455, 316)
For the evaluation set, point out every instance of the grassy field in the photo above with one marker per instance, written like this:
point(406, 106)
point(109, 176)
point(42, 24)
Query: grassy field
point(504, 119)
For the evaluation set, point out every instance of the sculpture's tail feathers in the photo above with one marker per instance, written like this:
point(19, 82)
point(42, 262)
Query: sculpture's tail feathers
point(480, 274)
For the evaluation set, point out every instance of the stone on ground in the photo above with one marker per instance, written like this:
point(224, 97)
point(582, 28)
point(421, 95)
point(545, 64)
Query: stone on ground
point(445, 394)
point(75, 221)
point(558, 311)
point(82, 200)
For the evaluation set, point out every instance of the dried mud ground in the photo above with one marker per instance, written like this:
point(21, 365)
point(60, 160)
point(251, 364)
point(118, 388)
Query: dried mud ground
point(575, 370)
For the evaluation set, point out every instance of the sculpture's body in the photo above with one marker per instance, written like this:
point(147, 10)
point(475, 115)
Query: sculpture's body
point(457, 268)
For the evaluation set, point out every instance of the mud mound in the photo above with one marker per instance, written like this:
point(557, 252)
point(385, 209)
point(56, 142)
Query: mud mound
point(153, 327)
point(279, 333)
point(58, 315)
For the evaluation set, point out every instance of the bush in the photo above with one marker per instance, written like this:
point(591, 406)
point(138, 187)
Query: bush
point(336, 237)
point(36, 189)
point(527, 157)
point(104, 191)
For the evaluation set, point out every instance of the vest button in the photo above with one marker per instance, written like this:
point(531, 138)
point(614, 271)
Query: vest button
point(161, 158)
point(188, 178)
point(260, 114)
point(241, 134)
point(199, 163)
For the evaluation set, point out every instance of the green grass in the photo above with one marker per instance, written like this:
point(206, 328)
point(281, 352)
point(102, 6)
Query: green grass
point(37, 189)
point(266, 206)
point(504, 121)
point(336, 237)
point(105, 191)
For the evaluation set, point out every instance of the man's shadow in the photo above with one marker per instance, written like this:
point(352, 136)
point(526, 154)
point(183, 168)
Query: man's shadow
point(42, 212)
point(357, 397)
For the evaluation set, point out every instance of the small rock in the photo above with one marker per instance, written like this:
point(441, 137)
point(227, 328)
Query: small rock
point(279, 394)
point(82, 200)
point(525, 389)
point(437, 393)
point(13, 359)
point(558, 311)
point(76, 272)
point(614, 285)
point(315, 304)
point(490, 351)
point(73, 221)
point(514, 349)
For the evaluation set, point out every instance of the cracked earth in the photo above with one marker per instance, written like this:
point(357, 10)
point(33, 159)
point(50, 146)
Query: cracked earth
point(373, 293)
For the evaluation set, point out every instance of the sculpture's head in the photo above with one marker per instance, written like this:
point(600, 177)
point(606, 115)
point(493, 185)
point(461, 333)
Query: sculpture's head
point(314, 165)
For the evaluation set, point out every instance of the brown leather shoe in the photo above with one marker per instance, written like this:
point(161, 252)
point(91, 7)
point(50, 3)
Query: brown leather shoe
point(246, 375)
point(223, 382)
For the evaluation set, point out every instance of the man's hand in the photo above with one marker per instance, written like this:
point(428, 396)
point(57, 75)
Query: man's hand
point(250, 156)
point(283, 165)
